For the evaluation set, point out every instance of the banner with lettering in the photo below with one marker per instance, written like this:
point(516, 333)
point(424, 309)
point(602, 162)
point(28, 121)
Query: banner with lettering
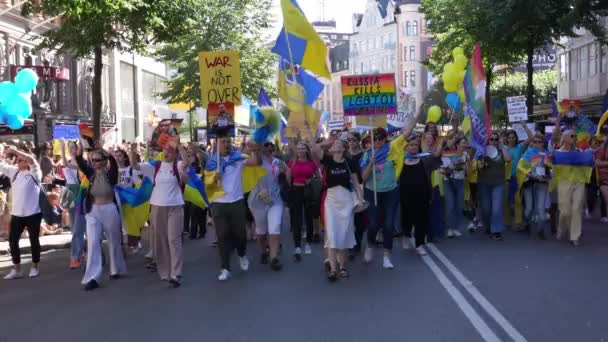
point(220, 75)
point(369, 95)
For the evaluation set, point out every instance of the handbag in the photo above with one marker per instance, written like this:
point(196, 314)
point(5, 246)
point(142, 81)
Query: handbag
point(312, 190)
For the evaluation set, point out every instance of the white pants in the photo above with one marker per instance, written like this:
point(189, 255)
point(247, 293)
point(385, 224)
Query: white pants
point(103, 218)
point(269, 220)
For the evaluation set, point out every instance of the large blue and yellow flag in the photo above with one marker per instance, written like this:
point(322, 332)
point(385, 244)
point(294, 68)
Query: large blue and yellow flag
point(135, 205)
point(531, 159)
point(573, 166)
point(299, 42)
point(297, 88)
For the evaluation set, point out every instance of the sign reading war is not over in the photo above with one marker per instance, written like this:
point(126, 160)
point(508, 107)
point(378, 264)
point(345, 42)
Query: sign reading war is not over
point(369, 94)
point(220, 77)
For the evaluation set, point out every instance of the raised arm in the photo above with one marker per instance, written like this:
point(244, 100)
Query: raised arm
point(529, 133)
point(557, 130)
point(133, 157)
point(83, 165)
point(409, 126)
point(505, 151)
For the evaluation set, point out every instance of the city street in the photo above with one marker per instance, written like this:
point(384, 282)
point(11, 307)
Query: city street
point(469, 289)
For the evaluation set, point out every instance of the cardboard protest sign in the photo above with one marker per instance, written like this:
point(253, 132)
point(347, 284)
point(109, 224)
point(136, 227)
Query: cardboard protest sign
point(220, 76)
point(220, 119)
point(369, 95)
point(371, 121)
point(165, 127)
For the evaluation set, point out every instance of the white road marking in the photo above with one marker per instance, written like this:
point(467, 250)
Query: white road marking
point(480, 325)
point(481, 300)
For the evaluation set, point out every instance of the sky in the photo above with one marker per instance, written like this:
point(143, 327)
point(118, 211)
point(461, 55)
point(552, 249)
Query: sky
point(340, 10)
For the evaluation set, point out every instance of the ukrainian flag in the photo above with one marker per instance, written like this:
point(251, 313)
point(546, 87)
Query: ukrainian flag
point(572, 166)
point(531, 159)
point(297, 88)
point(299, 42)
point(135, 205)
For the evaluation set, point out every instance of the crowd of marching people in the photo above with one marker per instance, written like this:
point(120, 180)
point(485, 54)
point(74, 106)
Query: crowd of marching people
point(348, 191)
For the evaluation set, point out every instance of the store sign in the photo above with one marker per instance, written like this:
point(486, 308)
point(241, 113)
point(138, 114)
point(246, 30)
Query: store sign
point(57, 73)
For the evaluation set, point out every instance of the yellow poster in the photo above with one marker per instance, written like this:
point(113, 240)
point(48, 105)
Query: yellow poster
point(298, 127)
point(371, 121)
point(220, 73)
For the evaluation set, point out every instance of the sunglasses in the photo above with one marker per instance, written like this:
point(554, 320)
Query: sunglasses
point(572, 135)
point(352, 140)
point(538, 141)
point(97, 160)
point(493, 139)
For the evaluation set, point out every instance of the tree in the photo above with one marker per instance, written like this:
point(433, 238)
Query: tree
point(222, 25)
point(89, 27)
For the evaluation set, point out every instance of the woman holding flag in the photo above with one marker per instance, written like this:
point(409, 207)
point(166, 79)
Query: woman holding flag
point(102, 216)
point(167, 209)
point(455, 167)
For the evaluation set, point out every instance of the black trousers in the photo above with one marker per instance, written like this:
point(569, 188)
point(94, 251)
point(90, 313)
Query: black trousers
point(360, 227)
point(592, 192)
point(229, 220)
point(415, 213)
point(195, 220)
point(18, 224)
point(297, 206)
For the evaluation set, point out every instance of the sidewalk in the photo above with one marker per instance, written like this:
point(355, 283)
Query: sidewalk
point(46, 243)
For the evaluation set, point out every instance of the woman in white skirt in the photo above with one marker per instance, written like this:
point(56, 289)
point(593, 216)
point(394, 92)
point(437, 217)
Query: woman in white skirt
point(338, 208)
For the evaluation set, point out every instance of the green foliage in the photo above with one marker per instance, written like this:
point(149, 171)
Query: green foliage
point(545, 85)
point(222, 25)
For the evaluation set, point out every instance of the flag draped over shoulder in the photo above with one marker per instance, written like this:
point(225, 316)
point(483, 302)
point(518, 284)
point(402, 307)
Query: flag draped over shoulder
point(250, 177)
point(194, 191)
point(299, 42)
point(573, 166)
point(475, 93)
point(529, 160)
point(135, 205)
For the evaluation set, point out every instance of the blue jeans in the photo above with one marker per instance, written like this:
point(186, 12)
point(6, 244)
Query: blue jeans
point(437, 228)
point(454, 202)
point(491, 201)
point(385, 211)
point(535, 196)
point(78, 229)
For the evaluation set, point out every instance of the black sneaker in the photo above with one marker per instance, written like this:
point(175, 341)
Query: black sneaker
point(297, 257)
point(497, 237)
point(151, 266)
point(214, 244)
point(174, 283)
point(115, 276)
point(264, 258)
point(542, 236)
point(332, 276)
point(91, 285)
point(276, 265)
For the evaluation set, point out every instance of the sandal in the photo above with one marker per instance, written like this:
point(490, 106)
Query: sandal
point(343, 273)
point(332, 276)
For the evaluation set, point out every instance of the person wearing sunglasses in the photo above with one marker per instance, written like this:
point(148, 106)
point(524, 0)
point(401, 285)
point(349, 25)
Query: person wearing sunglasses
point(102, 216)
point(513, 211)
point(25, 179)
point(491, 183)
point(534, 166)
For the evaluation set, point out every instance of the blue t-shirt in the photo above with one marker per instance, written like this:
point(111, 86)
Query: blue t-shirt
point(386, 179)
point(516, 152)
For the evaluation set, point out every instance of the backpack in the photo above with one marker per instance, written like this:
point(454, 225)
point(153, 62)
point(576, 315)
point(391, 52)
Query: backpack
point(175, 172)
point(43, 201)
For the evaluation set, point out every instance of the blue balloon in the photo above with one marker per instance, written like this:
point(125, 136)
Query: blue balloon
point(3, 113)
point(8, 90)
point(20, 105)
point(14, 122)
point(26, 81)
point(453, 101)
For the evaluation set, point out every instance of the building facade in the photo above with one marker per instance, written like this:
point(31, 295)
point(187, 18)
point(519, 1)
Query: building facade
point(583, 71)
point(130, 83)
point(413, 47)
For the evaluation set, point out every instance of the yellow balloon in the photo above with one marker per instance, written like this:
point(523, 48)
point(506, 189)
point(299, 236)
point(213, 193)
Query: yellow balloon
point(448, 67)
point(466, 124)
point(462, 95)
point(450, 81)
point(460, 61)
point(457, 51)
point(433, 114)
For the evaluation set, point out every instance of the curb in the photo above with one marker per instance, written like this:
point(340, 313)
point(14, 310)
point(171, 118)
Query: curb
point(43, 248)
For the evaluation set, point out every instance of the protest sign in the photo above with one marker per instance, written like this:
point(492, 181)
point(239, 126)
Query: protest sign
point(369, 95)
point(220, 119)
point(220, 77)
point(517, 108)
point(166, 127)
point(521, 132)
point(68, 132)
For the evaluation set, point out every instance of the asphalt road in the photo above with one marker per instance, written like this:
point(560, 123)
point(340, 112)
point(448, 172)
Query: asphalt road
point(468, 289)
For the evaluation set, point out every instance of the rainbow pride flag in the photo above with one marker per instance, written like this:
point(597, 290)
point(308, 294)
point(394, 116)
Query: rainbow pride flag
point(475, 93)
point(531, 159)
point(584, 129)
point(369, 94)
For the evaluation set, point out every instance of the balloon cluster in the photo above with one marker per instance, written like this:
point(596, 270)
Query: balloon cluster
point(15, 102)
point(267, 124)
point(453, 76)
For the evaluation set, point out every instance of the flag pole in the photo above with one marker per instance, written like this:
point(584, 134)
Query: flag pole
point(372, 119)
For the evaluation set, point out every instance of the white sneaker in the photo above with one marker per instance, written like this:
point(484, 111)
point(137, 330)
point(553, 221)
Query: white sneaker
point(298, 250)
point(604, 220)
point(307, 249)
point(244, 263)
point(587, 215)
point(34, 272)
point(13, 274)
point(405, 243)
point(471, 226)
point(386, 263)
point(456, 233)
point(450, 234)
point(420, 250)
point(149, 255)
point(224, 275)
point(368, 255)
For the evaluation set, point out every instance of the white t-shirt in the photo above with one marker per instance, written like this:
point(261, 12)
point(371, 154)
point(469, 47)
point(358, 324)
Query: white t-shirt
point(167, 191)
point(232, 183)
point(24, 190)
point(127, 176)
point(71, 175)
point(449, 163)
